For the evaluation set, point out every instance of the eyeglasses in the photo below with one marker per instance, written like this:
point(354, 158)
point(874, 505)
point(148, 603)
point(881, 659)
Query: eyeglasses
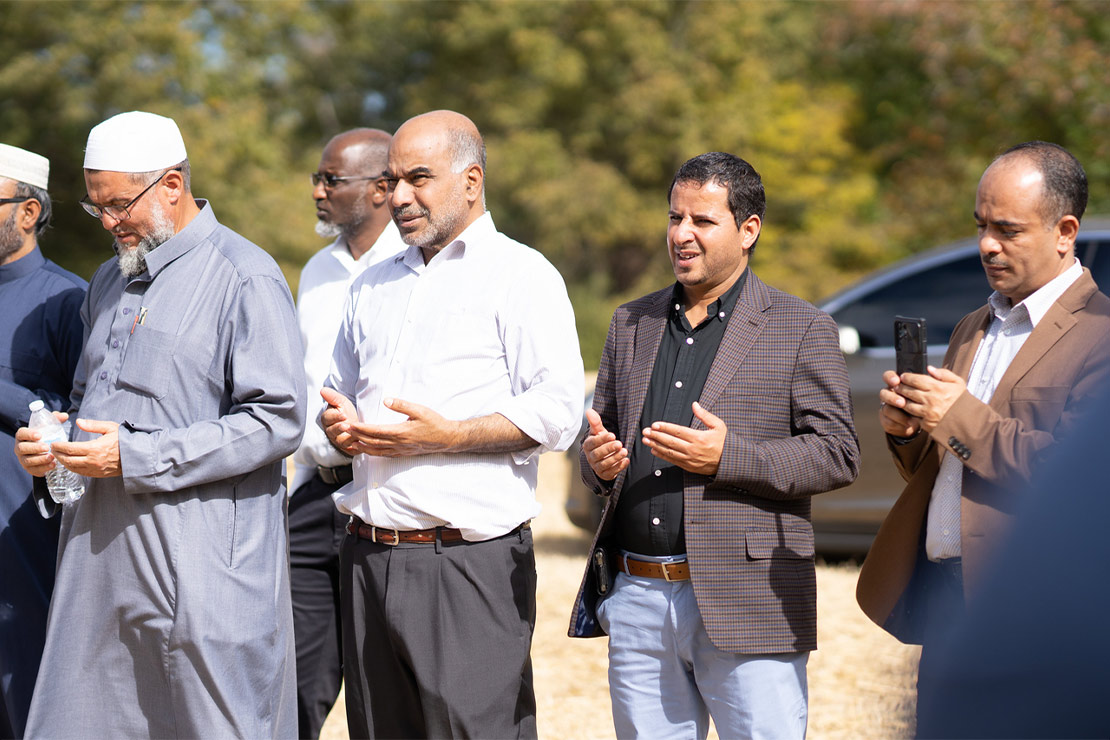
point(120, 213)
point(330, 181)
point(5, 201)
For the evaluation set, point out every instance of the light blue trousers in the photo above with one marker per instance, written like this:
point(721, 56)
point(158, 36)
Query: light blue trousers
point(666, 678)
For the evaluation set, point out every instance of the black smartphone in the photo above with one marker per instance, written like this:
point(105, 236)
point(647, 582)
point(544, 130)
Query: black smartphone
point(910, 348)
point(602, 573)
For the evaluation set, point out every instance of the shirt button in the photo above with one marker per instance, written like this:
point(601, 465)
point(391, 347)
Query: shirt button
point(658, 473)
point(689, 340)
point(115, 343)
point(678, 384)
point(103, 376)
point(721, 314)
point(946, 531)
point(126, 311)
point(655, 521)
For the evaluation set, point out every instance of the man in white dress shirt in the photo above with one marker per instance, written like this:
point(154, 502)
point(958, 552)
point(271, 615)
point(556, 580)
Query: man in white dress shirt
point(457, 365)
point(350, 195)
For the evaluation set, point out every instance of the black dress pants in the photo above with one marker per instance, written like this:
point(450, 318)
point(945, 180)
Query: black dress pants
point(438, 638)
point(944, 586)
point(316, 529)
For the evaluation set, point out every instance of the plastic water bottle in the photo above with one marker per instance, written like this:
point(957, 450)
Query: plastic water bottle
point(65, 485)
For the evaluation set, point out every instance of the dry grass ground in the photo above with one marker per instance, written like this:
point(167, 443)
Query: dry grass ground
point(861, 681)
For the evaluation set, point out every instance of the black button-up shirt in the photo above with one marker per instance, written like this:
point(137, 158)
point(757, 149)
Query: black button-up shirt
point(649, 512)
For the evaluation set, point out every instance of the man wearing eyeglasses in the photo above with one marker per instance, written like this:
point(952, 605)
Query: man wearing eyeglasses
point(40, 342)
point(350, 195)
point(171, 614)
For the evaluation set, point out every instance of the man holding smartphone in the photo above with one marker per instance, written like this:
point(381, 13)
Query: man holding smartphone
point(968, 436)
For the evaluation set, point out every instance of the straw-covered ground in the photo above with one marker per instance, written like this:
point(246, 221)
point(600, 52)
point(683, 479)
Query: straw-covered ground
point(861, 681)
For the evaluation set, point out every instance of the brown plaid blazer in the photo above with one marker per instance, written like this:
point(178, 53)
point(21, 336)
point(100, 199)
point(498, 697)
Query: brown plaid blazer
point(779, 383)
point(1061, 368)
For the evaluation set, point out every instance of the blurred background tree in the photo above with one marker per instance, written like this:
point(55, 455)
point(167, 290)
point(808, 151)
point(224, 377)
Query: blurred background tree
point(870, 122)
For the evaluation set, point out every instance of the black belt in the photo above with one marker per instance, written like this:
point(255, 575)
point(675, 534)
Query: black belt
point(335, 476)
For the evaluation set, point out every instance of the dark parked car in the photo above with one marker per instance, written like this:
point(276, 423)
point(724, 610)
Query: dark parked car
point(942, 285)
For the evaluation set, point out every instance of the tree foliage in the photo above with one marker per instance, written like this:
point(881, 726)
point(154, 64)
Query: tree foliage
point(869, 122)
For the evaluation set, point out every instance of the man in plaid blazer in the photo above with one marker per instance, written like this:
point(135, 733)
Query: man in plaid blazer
point(721, 406)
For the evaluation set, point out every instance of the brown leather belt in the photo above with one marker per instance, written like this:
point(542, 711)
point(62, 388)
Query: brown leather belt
point(388, 536)
point(679, 571)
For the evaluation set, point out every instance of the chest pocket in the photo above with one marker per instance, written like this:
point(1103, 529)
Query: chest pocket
point(148, 363)
point(24, 368)
point(1039, 406)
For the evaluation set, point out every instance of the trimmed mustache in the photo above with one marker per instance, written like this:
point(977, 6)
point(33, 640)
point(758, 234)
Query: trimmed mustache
point(408, 211)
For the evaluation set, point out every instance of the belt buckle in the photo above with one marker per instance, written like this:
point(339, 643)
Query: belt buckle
point(374, 536)
point(666, 573)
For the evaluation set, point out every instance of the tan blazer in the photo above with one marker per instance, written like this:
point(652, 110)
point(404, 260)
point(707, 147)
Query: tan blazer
point(1063, 364)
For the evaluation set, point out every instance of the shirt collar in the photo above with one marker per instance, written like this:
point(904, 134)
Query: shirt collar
point(1039, 301)
point(480, 230)
point(196, 231)
point(25, 265)
point(720, 308)
point(342, 254)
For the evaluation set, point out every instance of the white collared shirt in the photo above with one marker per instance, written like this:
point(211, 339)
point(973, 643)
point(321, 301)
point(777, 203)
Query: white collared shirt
point(485, 327)
point(320, 297)
point(1008, 330)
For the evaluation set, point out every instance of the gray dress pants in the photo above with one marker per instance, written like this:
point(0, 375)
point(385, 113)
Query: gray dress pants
point(437, 638)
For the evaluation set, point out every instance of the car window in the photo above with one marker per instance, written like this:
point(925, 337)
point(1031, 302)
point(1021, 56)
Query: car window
point(943, 294)
point(1098, 259)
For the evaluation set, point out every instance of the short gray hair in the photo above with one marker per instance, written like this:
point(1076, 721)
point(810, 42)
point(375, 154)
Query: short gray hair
point(144, 178)
point(466, 149)
point(23, 190)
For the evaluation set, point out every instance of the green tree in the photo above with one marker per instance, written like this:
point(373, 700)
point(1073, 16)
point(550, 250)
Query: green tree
point(945, 86)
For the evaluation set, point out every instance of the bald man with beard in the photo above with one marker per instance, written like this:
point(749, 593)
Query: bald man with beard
point(351, 207)
point(456, 366)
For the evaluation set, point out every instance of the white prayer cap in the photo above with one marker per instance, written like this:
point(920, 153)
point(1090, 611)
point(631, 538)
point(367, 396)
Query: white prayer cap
point(134, 142)
point(24, 166)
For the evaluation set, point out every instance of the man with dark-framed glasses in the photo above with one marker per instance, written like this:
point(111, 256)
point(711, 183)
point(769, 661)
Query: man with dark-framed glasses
point(40, 343)
point(351, 208)
point(171, 614)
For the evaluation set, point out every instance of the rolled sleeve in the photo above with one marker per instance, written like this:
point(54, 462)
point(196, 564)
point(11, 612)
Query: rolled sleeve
point(545, 363)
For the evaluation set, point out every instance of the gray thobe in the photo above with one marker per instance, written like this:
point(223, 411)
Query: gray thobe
point(171, 614)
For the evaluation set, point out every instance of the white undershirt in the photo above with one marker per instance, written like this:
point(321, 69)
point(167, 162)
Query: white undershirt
point(1008, 330)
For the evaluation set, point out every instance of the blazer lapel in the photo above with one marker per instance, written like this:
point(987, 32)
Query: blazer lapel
point(1057, 321)
point(961, 362)
point(744, 327)
point(649, 334)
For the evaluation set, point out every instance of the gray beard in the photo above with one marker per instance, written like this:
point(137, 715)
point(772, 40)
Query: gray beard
point(132, 262)
point(10, 239)
point(328, 230)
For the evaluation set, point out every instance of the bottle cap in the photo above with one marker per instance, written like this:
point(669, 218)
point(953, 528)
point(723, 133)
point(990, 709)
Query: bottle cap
point(35, 405)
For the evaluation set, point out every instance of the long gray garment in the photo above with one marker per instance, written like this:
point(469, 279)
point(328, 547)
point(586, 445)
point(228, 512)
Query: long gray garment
point(171, 614)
